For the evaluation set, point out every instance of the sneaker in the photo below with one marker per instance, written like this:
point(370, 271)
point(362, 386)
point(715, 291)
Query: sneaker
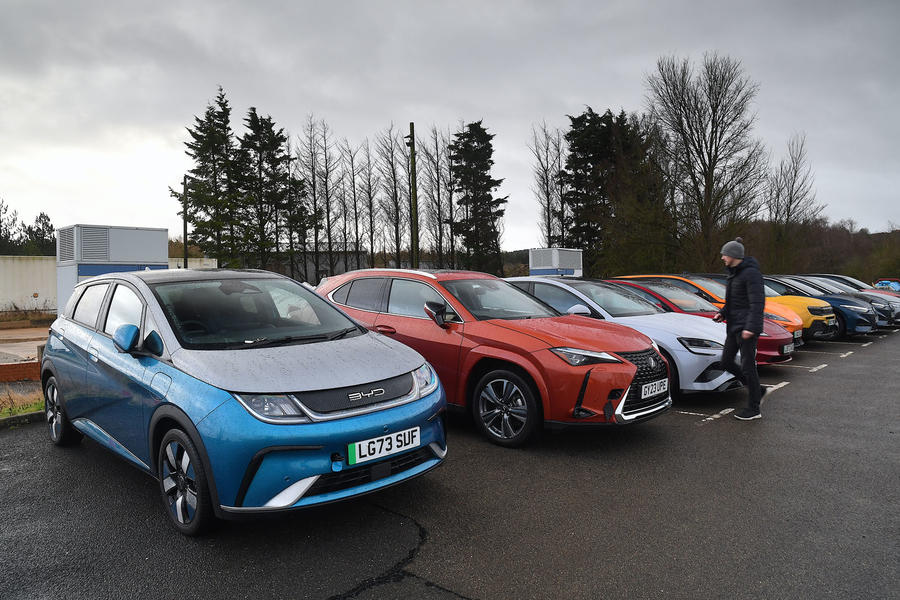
point(747, 414)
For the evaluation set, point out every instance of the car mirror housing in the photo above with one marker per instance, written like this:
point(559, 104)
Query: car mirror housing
point(125, 338)
point(153, 344)
point(579, 309)
point(437, 312)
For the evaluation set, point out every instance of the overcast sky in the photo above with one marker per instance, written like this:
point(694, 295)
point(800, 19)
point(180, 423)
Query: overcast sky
point(95, 96)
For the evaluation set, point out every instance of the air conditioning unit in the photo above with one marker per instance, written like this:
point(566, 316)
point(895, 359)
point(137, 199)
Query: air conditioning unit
point(554, 261)
point(84, 251)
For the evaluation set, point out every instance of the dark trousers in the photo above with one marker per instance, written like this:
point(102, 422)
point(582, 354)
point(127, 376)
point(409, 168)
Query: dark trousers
point(746, 373)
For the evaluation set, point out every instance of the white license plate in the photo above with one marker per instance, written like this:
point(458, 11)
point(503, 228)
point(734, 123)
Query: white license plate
point(787, 348)
point(798, 334)
point(829, 322)
point(654, 387)
point(385, 445)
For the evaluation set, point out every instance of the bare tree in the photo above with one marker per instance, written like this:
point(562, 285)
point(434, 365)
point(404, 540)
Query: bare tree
point(707, 117)
point(309, 157)
point(547, 148)
point(349, 159)
point(434, 170)
point(370, 181)
point(790, 197)
point(390, 159)
point(791, 200)
point(327, 169)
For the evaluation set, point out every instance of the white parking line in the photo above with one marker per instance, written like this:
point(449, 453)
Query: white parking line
point(684, 412)
point(718, 415)
point(841, 354)
point(810, 369)
point(866, 344)
point(777, 386)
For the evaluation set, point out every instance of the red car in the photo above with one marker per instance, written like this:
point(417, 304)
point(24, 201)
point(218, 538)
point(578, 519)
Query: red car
point(775, 345)
point(513, 361)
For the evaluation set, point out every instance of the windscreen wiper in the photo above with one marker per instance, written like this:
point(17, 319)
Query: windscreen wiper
point(264, 341)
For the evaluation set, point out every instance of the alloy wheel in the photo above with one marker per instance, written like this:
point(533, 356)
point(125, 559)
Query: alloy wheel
point(503, 408)
point(51, 407)
point(179, 482)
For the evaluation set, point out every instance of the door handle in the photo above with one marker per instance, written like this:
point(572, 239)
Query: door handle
point(94, 354)
point(385, 329)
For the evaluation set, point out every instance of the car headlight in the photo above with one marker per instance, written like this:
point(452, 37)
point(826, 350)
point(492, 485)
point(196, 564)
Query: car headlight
point(277, 408)
point(854, 308)
point(700, 346)
point(577, 358)
point(879, 304)
point(772, 317)
point(426, 380)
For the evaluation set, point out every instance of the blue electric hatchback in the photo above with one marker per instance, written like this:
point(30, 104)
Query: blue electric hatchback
point(240, 391)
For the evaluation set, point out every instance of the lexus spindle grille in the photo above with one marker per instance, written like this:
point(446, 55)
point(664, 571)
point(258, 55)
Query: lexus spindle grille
point(650, 367)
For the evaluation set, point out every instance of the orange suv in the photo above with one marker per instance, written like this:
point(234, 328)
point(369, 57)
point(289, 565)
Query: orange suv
point(513, 361)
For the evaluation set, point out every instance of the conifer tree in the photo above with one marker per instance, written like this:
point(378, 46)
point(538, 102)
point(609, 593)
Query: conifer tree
point(471, 155)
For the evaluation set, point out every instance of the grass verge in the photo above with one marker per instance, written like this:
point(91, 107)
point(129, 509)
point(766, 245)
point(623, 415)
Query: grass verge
point(17, 403)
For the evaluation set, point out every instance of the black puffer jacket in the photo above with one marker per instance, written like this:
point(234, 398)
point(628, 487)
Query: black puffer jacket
point(745, 298)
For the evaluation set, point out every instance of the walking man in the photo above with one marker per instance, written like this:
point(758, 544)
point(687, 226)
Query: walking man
point(743, 313)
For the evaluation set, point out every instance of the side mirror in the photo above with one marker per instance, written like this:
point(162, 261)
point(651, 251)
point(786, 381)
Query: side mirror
point(126, 337)
point(579, 309)
point(153, 344)
point(437, 311)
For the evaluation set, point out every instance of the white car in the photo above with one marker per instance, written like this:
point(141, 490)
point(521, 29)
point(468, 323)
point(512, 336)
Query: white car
point(692, 344)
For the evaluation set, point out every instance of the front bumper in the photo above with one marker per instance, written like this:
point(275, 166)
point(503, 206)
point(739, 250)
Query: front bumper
point(262, 467)
point(821, 329)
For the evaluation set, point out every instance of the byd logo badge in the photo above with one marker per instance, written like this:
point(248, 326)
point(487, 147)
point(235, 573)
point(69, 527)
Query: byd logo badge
point(360, 395)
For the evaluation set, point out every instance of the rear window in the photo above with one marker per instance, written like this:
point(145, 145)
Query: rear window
point(365, 294)
point(88, 307)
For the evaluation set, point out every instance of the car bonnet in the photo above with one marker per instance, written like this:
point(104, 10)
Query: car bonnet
point(300, 367)
point(578, 332)
point(677, 325)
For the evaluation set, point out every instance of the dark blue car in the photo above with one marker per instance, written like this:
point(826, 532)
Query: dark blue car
point(240, 391)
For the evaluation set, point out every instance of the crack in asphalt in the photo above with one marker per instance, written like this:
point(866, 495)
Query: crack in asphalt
point(398, 571)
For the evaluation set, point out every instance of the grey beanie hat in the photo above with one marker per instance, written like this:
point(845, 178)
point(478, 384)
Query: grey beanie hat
point(734, 249)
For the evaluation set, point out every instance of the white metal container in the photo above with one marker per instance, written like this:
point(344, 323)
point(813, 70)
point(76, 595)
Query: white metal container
point(554, 261)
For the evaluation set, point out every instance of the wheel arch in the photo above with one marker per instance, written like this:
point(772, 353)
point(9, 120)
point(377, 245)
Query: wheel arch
point(485, 364)
point(167, 417)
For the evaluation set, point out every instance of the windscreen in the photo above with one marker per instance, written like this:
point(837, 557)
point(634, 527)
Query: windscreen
point(615, 300)
point(220, 314)
point(714, 287)
point(497, 299)
point(683, 299)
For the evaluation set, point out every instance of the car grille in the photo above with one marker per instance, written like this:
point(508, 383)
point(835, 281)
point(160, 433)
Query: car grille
point(354, 476)
point(821, 311)
point(345, 398)
point(645, 374)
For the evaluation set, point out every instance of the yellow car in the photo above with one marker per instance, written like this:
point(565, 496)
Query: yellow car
point(817, 315)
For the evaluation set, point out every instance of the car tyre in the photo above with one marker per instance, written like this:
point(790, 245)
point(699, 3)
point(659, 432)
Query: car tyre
point(183, 484)
point(841, 326)
point(62, 432)
point(674, 381)
point(505, 408)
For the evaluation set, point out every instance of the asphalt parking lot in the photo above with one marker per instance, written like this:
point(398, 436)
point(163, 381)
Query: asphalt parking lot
point(694, 504)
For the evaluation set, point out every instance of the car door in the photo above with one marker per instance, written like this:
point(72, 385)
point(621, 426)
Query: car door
point(405, 320)
point(78, 371)
point(120, 391)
